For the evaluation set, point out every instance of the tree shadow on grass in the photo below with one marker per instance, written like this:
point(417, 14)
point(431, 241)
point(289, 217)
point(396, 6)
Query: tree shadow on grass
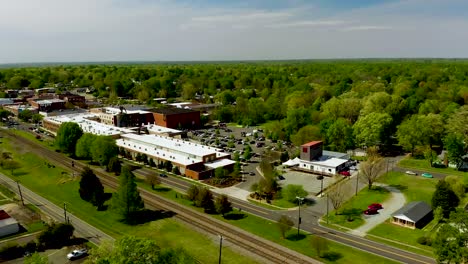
point(146, 215)
point(235, 216)
point(351, 214)
point(19, 173)
point(379, 189)
point(161, 189)
point(399, 187)
point(332, 256)
point(295, 237)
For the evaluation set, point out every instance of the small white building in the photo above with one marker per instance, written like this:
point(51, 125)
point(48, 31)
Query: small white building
point(8, 225)
point(313, 158)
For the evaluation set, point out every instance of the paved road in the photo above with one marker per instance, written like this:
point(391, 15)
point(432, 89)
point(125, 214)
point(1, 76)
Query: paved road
point(309, 223)
point(82, 228)
point(419, 172)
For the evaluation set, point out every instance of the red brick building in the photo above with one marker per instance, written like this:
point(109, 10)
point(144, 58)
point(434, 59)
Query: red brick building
point(176, 118)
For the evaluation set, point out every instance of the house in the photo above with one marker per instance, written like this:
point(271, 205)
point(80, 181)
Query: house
point(8, 225)
point(413, 215)
point(314, 159)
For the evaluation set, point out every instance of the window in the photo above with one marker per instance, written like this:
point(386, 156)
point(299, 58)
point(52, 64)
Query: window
point(304, 149)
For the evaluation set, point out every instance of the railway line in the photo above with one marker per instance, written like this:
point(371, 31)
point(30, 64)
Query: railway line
point(271, 252)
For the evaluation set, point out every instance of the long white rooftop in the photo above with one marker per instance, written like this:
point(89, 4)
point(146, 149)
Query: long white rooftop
point(160, 129)
point(116, 111)
point(174, 144)
point(89, 126)
point(333, 162)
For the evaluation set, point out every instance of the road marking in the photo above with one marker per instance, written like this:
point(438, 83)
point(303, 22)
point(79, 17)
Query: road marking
point(370, 246)
point(251, 208)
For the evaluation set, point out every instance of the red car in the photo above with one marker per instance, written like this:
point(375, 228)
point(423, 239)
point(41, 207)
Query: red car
point(345, 173)
point(375, 206)
point(370, 212)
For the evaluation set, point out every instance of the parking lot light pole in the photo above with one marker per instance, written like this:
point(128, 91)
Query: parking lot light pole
point(300, 199)
point(220, 247)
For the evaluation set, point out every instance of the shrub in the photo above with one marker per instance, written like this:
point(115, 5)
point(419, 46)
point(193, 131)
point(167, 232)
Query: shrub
point(424, 240)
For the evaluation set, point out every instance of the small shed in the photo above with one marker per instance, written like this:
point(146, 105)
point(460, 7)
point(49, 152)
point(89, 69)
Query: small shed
point(413, 215)
point(8, 225)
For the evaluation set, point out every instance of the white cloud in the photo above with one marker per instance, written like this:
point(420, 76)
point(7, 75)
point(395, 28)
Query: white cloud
point(365, 28)
point(308, 23)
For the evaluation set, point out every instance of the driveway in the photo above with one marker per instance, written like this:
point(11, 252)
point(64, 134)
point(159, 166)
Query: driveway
point(419, 172)
point(396, 201)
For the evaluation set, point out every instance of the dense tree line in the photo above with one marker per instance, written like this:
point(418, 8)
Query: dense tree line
point(345, 103)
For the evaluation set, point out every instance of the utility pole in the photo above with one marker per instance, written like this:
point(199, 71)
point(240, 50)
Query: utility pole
point(20, 193)
point(327, 208)
point(220, 247)
point(357, 183)
point(300, 199)
point(65, 211)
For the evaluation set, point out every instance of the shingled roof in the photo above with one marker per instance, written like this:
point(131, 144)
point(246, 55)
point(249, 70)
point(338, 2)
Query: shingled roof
point(413, 211)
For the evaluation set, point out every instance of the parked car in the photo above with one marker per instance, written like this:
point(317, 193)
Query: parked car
point(345, 173)
point(411, 173)
point(77, 253)
point(427, 175)
point(281, 177)
point(375, 206)
point(252, 173)
point(163, 175)
point(370, 212)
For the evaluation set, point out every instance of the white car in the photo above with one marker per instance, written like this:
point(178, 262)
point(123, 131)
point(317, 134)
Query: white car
point(411, 173)
point(77, 253)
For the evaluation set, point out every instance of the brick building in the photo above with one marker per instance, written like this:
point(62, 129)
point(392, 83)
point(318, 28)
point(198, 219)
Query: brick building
point(176, 118)
point(47, 105)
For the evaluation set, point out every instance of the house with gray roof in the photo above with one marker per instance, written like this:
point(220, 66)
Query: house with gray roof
point(413, 215)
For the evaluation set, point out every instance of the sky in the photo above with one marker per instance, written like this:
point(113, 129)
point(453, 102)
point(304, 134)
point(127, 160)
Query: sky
point(206, 30)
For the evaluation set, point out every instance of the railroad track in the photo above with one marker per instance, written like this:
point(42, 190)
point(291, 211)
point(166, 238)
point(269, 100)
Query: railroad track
point(268, 250)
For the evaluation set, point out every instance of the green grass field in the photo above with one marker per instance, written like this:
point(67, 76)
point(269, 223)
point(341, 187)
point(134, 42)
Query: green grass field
point(57, 185)
point(403, 235)
point(424, 165)
point(415, 188)
point(350, 214)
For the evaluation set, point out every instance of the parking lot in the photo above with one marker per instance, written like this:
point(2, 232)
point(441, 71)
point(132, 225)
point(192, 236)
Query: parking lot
point(309, 181)
point(233, 138)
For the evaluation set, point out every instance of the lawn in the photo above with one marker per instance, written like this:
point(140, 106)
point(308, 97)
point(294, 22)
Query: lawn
point(283, 203)
point(6, 196)
point(414, 188)
point(350, 214)
point(57, 185)
point(403, 235)
point(421, 164)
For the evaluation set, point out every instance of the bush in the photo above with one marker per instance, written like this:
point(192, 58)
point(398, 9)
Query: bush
point(424, 240)
point(56, 235)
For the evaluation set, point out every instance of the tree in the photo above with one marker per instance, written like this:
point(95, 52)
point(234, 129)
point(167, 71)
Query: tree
point(451, 239)
point(445, 198)
point(130, 249)
point(292, 191)
point(410, 134)
point(247, 152)
point(67, 136)
point(56, 235)
point(91, 189)
point(371, 168)
point(84, 145)
point(26, 115)
point(337, 196)
point(320, 245)
point(114, 165)
point(222, 205)
point(455, 147)
point(457, 184)
point(430, 155)
point(340, 135)
point(36, 118)
point(126, 200)
point(372, 129)
point(205, 199)
point(10, 164)
point(36, 258)
point(152, 180)
point(103, 149)
point(192, 192)
point(438, 214)
point(284, 225)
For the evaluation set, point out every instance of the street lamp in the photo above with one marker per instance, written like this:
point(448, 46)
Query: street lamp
point(320, 178)
point(220, 247)
point(300, 199)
